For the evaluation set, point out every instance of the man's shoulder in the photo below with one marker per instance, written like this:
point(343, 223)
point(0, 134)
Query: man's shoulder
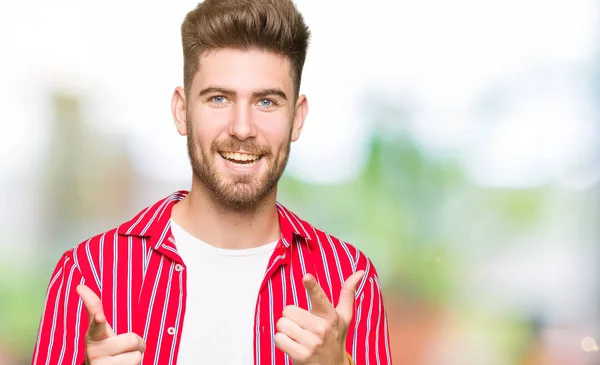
point(90, 252)
point(98, 241)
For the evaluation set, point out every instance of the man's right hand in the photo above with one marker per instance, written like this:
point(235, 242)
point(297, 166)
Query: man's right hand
point(102, 346)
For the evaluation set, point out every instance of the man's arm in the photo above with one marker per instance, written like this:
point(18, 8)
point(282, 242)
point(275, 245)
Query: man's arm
point(61, 332)
point(368, 338)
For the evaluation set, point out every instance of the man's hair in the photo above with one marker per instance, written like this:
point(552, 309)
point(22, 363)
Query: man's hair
point(271, 25)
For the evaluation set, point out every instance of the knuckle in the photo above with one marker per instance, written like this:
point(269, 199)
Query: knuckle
point(320, 341)
point(317, 342)
point(304, 355)
point(279, 339)
point(280, 324)
point(321, 329)
point(142, 344)
point(132, 340)
point(91, 352)
point(137, 357)
point(94, 351)
point(288, 310)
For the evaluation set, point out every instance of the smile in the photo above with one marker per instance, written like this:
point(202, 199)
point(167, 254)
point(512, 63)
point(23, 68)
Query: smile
point(241, 158)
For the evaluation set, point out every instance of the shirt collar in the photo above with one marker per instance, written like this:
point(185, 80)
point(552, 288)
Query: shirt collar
point(154, 223)
point(290, 226)
point(153, 219)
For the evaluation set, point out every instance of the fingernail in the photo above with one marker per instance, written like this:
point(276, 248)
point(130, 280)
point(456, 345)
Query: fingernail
point(310, 280)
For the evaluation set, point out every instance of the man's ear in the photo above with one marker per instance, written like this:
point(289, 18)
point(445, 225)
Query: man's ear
point(178, 105)
point(300, 113)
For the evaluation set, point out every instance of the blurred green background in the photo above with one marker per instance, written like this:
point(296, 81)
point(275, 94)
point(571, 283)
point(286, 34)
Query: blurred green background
point(455, 143)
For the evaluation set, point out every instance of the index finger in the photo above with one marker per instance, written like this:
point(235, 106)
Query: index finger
point(321, 305)
point(91, 301)
point(98, 329)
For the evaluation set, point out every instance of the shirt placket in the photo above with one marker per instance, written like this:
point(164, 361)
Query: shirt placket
point(262, 316)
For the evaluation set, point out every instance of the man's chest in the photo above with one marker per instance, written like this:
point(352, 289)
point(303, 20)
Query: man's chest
point(165, 296)
point(220, 311)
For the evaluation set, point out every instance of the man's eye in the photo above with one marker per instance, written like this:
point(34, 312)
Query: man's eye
point(218, 99)
point(266, 103)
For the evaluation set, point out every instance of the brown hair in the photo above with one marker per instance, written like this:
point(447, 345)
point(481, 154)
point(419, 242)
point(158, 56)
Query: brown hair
point(273, 25)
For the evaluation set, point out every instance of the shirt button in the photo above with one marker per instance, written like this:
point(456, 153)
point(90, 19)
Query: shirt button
point(178, 267)
point(171, 331)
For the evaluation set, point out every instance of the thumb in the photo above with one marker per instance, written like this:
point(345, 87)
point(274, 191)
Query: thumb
point(99, 329)
point(345, 307)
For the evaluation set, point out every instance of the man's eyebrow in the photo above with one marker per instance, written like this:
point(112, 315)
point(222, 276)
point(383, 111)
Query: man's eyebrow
point(267, 92)
point(256, 94)
point(215, 89)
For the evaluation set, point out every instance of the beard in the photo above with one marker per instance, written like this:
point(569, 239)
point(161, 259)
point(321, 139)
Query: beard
point(240, 192)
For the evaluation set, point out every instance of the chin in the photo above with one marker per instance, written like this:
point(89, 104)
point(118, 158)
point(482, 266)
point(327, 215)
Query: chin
point(241, 196)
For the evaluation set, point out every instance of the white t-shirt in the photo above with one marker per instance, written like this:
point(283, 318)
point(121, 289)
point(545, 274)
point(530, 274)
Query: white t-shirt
point(222, 290)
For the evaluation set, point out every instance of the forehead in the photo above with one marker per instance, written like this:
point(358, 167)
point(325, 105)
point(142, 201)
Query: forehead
point(244, 70)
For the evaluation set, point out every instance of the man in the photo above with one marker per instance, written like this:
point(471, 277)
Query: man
point(222, 274)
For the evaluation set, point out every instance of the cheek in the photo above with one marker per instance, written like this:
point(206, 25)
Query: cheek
point(276, 131)
point(208, 125)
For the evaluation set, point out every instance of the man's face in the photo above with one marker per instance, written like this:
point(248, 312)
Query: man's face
point(241, 117)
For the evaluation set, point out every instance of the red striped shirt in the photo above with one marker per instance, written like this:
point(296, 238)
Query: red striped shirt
point(137, 272)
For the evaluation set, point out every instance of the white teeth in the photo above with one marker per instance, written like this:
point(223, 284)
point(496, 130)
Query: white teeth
point(236, 156)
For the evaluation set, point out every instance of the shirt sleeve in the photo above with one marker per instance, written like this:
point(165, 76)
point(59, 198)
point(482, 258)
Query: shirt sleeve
point(61, 333)
point(367, 340)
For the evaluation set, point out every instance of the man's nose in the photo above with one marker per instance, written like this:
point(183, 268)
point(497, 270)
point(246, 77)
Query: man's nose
point(242, 123)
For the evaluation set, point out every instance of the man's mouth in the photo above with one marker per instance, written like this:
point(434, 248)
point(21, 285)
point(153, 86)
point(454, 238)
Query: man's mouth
point(241, 158)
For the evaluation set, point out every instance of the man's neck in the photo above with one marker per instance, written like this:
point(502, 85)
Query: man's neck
point(221, 227)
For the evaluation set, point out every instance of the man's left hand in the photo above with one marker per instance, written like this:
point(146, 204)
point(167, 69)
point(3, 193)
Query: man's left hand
point(319, 336)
